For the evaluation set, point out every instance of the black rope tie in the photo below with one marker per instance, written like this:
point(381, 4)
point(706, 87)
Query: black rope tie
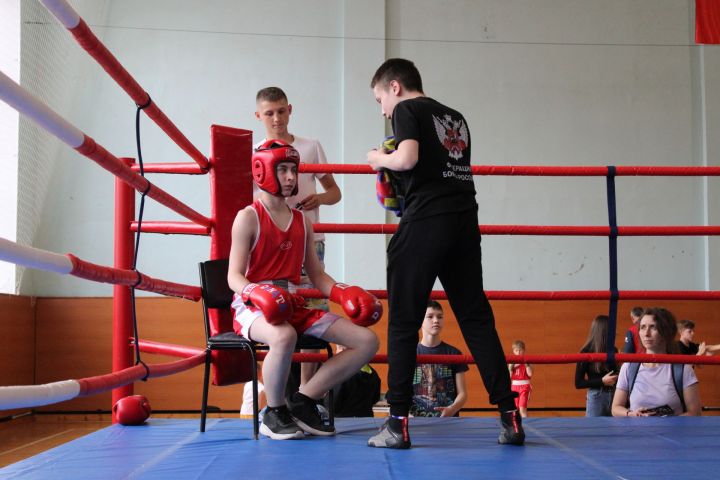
point(146, 104)
point(147, 370)
point(139, 279)
point(138, 359)
point(147, 190)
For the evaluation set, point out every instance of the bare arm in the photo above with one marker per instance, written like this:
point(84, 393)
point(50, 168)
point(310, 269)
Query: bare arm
point(402, 159)
point(330, 196)
point(244, 230)
point(692, 401)
point(620, 400)
point(619, 408)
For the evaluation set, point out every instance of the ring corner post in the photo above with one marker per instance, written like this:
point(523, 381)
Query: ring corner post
point(123, 259)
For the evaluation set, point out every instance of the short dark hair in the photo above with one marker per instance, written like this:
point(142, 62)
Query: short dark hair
point(685, 324)
point(271, 94)
point(519, 344)
point(435, 305)
point(637, 312)
point(403, 71)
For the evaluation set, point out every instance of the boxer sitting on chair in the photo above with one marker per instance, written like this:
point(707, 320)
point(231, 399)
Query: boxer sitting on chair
point(270, 243)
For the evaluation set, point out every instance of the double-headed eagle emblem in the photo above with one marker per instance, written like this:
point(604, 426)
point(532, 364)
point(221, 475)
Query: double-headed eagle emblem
point(453, 135)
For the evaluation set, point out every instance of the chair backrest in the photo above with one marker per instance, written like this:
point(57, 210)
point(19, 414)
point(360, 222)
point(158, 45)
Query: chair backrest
point(216, 292)
point(229, 367)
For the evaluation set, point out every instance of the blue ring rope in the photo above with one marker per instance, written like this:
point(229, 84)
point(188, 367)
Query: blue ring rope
point(613, 264)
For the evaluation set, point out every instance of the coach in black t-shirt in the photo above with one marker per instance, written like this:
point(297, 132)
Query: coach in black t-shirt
point(438, 237)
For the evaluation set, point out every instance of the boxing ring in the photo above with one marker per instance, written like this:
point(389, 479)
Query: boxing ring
point(573, 448)
point(555, 447)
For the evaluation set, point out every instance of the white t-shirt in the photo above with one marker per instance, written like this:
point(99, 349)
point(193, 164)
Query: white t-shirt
point(654, 386)
point(311, 152)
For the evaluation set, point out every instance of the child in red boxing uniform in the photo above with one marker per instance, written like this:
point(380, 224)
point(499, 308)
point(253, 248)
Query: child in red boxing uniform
point(520, 374)
point(270, 244)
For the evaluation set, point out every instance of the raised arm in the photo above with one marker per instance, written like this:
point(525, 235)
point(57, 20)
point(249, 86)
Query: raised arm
point(405, 157)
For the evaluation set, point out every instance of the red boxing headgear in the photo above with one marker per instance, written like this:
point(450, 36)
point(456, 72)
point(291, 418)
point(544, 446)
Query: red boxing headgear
point(265, 161)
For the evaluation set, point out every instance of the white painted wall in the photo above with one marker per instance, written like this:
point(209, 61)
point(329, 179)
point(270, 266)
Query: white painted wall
point(541, 82)
point(710, 56)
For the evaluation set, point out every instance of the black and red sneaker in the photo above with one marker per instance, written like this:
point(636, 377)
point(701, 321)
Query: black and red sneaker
point(393, 434)
point(511, 430)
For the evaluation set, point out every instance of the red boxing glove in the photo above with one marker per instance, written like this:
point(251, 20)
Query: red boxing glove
point(132, 410)
point(274, 302)
point(362, 307)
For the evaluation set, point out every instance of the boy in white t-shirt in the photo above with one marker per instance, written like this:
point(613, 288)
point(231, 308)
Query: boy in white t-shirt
point(273, 111)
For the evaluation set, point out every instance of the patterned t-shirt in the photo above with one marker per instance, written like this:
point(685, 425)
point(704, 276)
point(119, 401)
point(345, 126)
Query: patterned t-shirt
point(434, 384)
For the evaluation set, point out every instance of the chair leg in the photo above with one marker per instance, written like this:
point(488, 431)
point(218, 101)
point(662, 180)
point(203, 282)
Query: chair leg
point(206, 381)
point(331, 395)
point(256, 415)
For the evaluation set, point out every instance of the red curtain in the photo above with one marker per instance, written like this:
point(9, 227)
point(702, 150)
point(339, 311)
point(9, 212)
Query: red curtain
point(707, 21)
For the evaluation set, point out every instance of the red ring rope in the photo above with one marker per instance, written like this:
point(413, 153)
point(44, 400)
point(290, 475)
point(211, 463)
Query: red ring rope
point(539, 359)
point(561, 295)
point(102, 383)
point(598, 231)
point(526, 170)
point(93, 46)
point(99, 273)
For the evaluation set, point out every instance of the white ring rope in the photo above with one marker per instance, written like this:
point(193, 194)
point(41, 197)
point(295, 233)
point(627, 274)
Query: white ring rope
point(24, 396)
point(34, 257)
point(63, 12)
point(25, 103)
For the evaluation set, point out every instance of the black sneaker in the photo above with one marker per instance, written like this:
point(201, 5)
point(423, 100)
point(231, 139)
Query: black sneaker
point(304, 411)
point(278, 425)
point(393, 434)
point(511, 431)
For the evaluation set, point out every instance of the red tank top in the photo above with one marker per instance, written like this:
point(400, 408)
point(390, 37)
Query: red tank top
point(277, 254)
point(519, 373)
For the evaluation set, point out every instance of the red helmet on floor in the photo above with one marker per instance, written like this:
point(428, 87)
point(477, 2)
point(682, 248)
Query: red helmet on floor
point(265, 161)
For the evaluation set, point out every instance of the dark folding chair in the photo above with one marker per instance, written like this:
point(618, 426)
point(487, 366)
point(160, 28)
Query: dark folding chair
point(217, 294)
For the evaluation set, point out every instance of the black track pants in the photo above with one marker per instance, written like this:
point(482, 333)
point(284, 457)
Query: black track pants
point(446, 247)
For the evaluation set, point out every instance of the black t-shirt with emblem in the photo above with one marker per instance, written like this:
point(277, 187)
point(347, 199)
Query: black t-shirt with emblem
point(441, 181)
